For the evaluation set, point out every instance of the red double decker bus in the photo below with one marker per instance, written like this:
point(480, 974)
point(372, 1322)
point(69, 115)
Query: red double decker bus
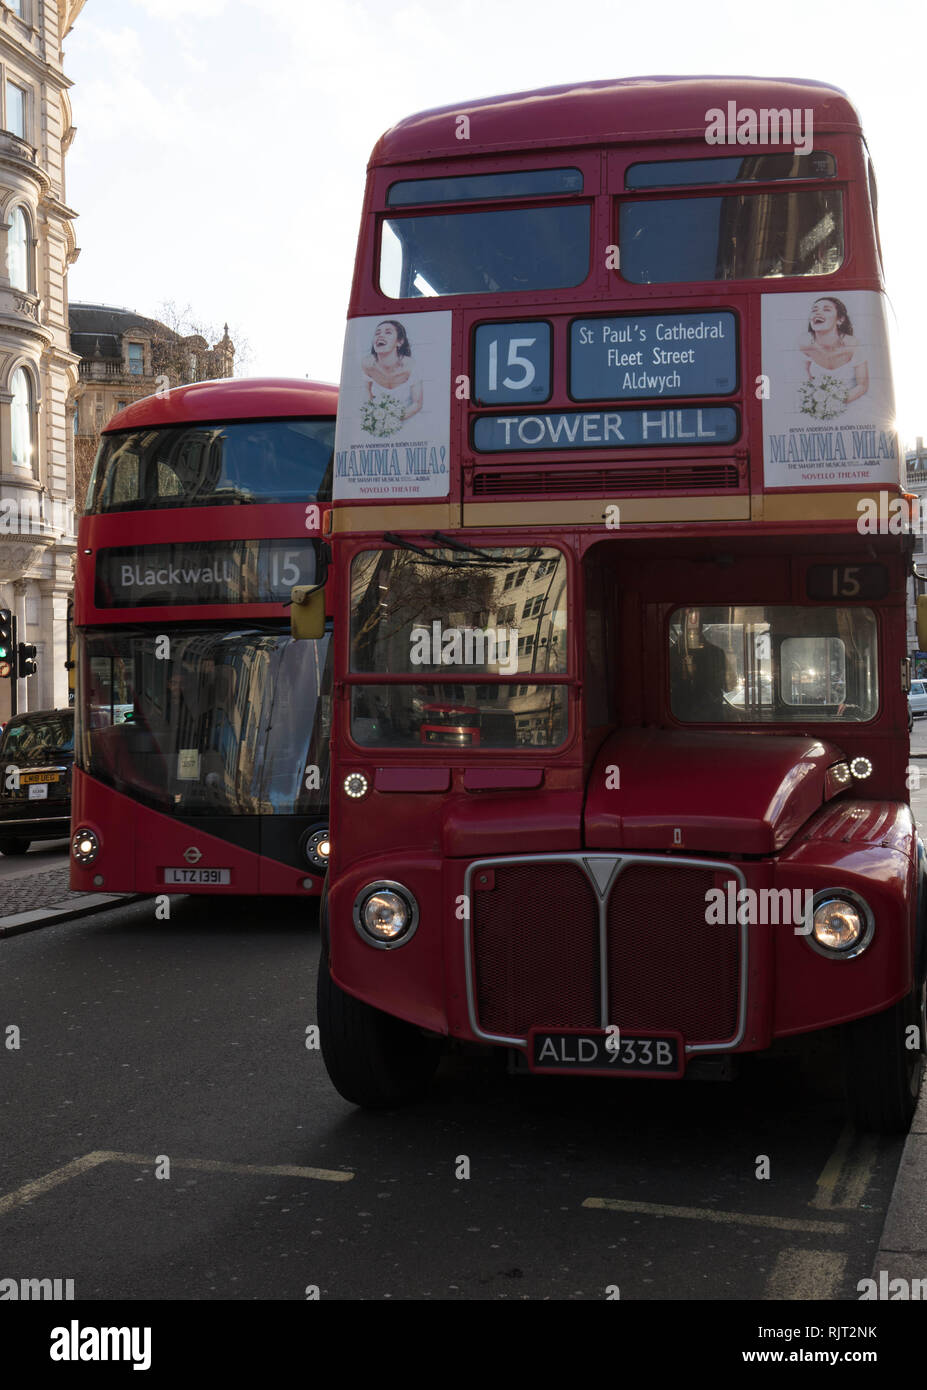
point(202, 729)
point(615, 419)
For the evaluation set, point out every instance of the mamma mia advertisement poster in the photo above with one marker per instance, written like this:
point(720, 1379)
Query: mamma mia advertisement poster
point(394, 408)
point(828, 407)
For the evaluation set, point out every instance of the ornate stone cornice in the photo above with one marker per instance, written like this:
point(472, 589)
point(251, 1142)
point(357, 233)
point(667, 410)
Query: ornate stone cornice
point(68, 10)
point(22, 159)
point(50, 203)
point(18, 554)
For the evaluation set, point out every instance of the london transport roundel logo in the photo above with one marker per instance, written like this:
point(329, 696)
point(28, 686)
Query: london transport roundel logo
point(192, 855)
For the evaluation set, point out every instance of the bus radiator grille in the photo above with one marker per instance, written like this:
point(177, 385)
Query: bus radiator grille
point(667, 967)
point(537, 951)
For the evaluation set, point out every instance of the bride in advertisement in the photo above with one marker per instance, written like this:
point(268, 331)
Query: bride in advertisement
point(835, 363)
point(394, 385)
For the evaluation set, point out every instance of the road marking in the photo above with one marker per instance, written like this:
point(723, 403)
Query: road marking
point(860, 1174)
point(849, 1169)
point(78, 1166)
point(39, 1186)
point(735, 1218)
point(213, 1165)
point(806, 1274)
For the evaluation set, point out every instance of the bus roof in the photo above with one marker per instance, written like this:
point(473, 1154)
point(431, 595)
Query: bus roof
point(229, 398)
point(628, 109)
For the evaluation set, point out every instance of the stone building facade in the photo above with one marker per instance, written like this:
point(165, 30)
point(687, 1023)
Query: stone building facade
point(38, 370)
point(123, 356)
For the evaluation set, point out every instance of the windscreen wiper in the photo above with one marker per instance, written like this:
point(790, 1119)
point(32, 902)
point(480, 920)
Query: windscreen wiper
point(426, 555)
point(483, 557)
point(483, 554)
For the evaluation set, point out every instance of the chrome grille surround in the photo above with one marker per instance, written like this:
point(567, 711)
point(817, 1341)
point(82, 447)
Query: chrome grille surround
point(602, 870)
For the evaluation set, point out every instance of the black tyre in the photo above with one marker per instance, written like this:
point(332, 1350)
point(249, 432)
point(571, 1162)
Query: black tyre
point(882, 1073)
point(14, 846)
point(373, 1060)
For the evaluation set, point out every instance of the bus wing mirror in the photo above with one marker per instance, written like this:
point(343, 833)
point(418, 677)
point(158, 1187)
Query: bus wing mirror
point(922, 622)
point(307, 612)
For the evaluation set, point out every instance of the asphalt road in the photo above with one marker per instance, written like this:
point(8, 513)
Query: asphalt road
point(143, 1042)
point(47, 854)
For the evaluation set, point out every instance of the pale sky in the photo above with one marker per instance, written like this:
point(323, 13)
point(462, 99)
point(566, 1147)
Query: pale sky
point(221, 145)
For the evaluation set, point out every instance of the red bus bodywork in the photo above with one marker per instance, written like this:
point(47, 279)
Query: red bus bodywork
point(261, 853)
point(549, 896)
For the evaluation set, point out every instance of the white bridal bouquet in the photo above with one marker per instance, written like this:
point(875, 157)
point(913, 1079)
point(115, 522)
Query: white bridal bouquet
point(824, 398)
point(381, 417)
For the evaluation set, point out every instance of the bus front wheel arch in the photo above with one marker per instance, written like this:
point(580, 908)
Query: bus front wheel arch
point(373, 1060)
point(883, 1064)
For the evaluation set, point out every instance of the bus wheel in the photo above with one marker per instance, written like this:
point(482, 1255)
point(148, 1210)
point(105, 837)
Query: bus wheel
point(883, 1059)
point(14, 846)
point(373, 1060)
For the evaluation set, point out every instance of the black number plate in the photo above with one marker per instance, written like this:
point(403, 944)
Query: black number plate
point(592, 1050)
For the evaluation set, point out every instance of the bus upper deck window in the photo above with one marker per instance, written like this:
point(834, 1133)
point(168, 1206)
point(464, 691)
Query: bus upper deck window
point(466, 188)
point(737, 236)
point(748, 168)
point(494, 252)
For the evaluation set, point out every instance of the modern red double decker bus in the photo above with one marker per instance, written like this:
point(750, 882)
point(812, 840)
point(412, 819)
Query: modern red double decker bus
point(615, 421)
point(201, 758)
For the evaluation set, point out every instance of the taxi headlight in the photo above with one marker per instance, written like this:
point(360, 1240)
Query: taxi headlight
point(385, 914)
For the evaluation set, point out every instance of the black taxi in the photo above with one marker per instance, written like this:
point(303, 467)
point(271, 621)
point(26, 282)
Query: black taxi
point(36, 757)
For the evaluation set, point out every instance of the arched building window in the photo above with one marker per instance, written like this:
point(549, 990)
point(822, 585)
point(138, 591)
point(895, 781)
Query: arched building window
point(18, 257)
point(22, 419)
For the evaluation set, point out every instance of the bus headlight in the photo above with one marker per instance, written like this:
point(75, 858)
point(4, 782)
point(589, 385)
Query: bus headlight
point(385, 914)
point(85, 845)
point(842, 925)
point(317, 848)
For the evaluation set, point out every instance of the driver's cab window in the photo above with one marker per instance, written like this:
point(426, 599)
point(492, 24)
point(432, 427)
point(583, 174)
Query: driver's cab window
point(773, 665)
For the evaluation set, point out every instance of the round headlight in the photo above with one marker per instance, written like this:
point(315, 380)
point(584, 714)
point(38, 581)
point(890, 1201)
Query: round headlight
point(355, 785)
point(85, 845)
point(317, 848)
point(385, 914)
point(842, 925)
point(861, 768)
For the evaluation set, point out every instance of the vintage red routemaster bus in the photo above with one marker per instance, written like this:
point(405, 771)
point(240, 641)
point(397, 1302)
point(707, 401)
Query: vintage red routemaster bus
point(615, 435)
point(202, 742)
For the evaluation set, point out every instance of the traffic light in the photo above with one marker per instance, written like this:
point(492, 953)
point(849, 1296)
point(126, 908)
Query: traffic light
point(25, 662)
point(6, 643)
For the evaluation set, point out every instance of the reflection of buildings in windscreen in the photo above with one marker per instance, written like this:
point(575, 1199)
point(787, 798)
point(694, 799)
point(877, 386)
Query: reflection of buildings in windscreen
point(220, 753)
point(266, 471)
point(699, 683)
point(371, 720)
